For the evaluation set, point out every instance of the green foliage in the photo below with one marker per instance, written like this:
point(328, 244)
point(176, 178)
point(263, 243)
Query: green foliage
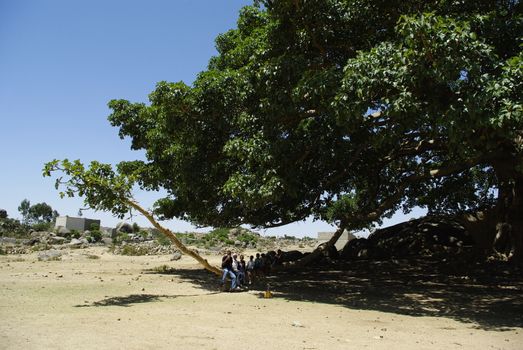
point(94, 236)
point(217, 237)
point(74, 234)
point(161, 239)
point(38, 213)
point(134, 250)
point(13, 228)
point(121, 237)
point(23, 208)
point(42, 226)
point(248, 238)
point(344, 110)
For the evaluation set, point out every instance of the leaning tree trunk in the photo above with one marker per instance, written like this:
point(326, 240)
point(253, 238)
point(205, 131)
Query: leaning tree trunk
point(318, 253)
point(175, 240)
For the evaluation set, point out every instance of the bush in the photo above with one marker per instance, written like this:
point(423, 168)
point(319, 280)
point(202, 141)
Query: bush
point(13, 228)
point(42, 226)
point(161, 239)
point(95, 236)
point(121, 237)
point(74, 234)
point(133, 250)
point(248, 238)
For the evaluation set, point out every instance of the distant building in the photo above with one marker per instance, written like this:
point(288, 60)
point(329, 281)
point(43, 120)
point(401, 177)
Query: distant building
point(345, 237)
point(72, 223)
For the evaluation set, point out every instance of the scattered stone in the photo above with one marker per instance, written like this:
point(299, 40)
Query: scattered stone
point(50, 255)
point(56, 240)
point(297, 324)
point(78, 243)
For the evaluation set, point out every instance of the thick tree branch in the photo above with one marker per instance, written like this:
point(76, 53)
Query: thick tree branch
point(174, 239)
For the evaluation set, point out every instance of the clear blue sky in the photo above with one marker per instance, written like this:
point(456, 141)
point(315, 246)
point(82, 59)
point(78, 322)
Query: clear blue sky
point(61, 61)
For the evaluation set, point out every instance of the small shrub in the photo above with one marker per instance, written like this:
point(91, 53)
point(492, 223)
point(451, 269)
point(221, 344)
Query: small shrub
point(162, 239)
point(133, 250)
point(121, 237)
point(74, 234)
point(13, 228)
point(42, 226)
point(92, 256)
point(95, 236)
point(162, 269)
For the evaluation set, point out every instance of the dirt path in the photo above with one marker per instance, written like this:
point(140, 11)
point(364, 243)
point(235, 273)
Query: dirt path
point(116, 302)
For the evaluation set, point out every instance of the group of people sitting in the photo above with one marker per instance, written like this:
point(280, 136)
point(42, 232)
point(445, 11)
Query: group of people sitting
point(243, 272)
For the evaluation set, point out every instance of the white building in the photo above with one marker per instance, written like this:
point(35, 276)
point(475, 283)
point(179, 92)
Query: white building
point(345, 237)
point(72, 223)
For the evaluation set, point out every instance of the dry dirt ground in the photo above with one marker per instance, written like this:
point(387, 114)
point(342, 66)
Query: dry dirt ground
point(121, 302)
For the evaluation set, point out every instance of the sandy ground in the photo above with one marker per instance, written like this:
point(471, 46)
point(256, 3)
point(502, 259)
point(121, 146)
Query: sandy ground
point(121, 302)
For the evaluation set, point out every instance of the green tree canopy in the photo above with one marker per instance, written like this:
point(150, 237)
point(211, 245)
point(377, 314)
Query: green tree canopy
point(345, 110)
point(37, 213)
point(23, 208)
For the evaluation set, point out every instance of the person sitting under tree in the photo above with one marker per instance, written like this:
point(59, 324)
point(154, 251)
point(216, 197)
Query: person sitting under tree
point(227, 270)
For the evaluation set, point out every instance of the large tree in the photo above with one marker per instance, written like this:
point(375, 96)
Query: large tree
point(345, 110)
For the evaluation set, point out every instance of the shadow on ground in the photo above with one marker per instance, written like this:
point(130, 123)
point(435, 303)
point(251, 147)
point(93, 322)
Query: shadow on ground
point(135, 299)
point(491, 296)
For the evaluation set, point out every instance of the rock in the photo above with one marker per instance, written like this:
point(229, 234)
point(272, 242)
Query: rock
point(56, 240)
point(425, 236)
point(50, 255)
point(176, 256)
point(62, 231)
point(237, 243)
point(291, 255)
point(234, 231)
point(329, 253)
point(297, 324)
point(107, 240)
point(124, 227)
point(353, 248)
point(78, 243)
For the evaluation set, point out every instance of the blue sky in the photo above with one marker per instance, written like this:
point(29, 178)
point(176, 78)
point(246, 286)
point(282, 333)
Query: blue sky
point(62, 61)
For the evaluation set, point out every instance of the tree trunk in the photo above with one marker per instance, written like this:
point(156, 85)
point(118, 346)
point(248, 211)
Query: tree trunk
point(175, 240)
point(318, 252)
point(509, 212)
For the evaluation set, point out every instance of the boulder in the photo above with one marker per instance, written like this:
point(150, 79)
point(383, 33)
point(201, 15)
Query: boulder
point(78, 243)
point(353, 249)
point(56, 240)
point(124, 227)
point(425, 236)
point(176, 256)
point(107, 240)
point(329, 252)
point(62, 231)
point(291, 255)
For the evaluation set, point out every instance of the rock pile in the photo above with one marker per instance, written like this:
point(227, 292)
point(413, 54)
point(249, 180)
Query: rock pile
point(145, 248)
point(426, 236)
